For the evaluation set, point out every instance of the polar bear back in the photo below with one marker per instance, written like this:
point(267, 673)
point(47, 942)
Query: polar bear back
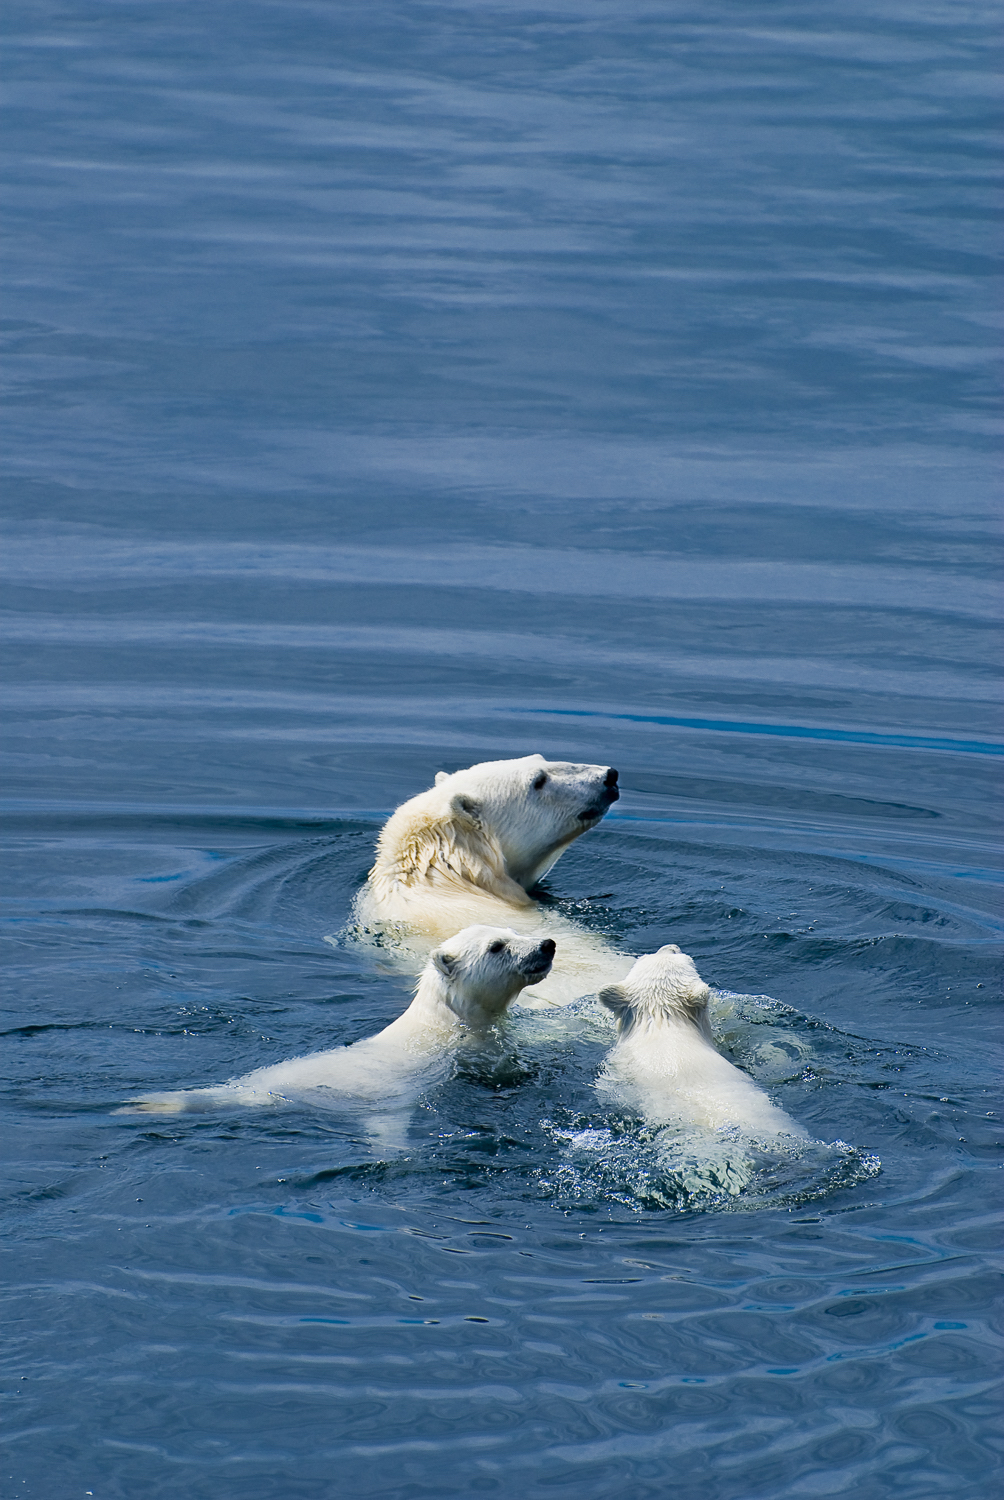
point(669, 1072)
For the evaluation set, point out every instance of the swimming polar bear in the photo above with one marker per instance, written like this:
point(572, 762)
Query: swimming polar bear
point(464, 990)
point(471, 848)
point(664, 1063)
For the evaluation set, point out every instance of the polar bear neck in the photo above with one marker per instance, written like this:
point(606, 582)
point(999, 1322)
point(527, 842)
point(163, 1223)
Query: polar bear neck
point(658, 1005)
point(445, 1003)
point(425, 844)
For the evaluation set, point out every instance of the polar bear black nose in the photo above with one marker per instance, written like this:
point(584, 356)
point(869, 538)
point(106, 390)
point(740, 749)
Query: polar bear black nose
point(610, 779)
point(548, 947)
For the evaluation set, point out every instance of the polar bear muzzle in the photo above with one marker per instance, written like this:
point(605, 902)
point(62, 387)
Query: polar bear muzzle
point(538, 963)
point(606, 797)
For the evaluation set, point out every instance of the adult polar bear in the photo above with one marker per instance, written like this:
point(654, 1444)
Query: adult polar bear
point(470, 849)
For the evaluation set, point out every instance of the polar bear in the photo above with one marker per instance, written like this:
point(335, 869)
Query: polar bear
point(464, 990)
point(664, 1063)
point(471, 848)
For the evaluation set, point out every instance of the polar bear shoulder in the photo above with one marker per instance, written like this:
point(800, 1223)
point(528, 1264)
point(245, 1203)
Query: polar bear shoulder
point(440, 838)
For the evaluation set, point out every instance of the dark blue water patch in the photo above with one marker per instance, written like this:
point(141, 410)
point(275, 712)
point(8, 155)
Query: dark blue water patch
point(396, 388)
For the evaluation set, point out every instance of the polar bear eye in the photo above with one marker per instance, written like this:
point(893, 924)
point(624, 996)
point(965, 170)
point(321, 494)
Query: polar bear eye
point(539, 781)
point(497, 947)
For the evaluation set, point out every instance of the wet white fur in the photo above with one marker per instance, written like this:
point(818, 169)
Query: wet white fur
point(464, 990)
point(468, 851)
point(665, 1064)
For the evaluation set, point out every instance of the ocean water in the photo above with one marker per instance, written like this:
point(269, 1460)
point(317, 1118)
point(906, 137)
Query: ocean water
point(397, 386)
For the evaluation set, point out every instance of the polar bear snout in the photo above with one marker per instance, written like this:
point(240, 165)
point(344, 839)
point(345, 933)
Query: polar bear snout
point(606, 796)
point(538, 963)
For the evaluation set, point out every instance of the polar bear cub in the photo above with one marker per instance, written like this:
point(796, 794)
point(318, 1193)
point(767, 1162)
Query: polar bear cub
point(464, 989)
point(471, 848)
point(664, 1063)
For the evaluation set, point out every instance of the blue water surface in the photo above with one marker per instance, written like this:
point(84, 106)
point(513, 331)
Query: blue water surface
point(401, 385)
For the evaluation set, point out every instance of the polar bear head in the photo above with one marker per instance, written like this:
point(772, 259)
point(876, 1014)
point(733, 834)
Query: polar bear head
point(662, 986)
point(480, 970)
point(498, 827)
point(532, 808)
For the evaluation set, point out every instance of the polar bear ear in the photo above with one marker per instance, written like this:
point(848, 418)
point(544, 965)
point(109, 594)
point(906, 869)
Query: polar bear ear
point(615, 999)
point(467, 807)
point(445, 963)
point(441, 776)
